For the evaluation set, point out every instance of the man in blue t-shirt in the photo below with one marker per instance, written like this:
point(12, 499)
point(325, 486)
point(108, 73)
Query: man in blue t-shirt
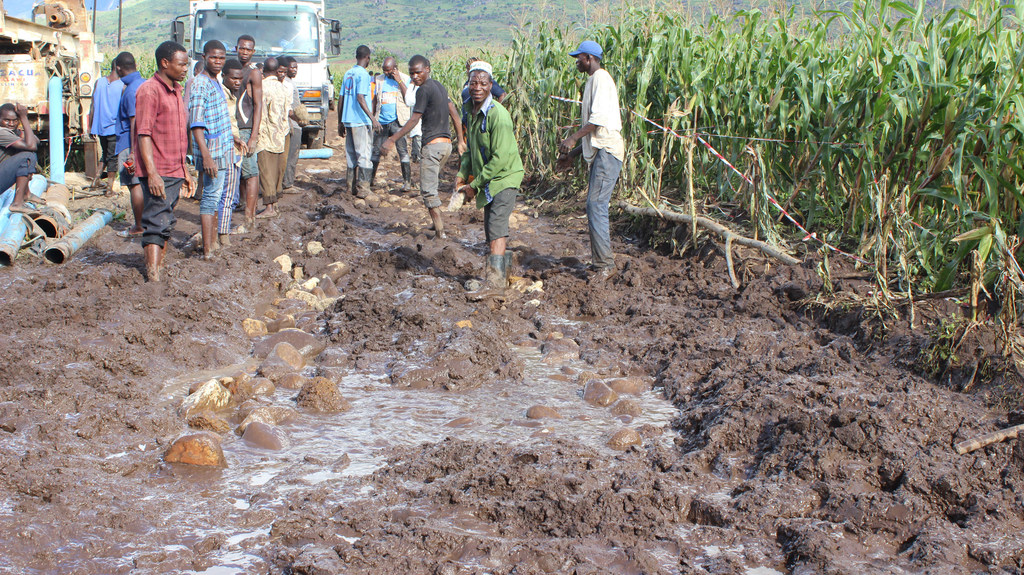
point(354, 123)
point(106, 97)
point(124, 65)
point(388, 94)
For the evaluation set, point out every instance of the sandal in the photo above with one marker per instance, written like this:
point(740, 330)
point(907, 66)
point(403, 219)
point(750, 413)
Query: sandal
point(129, 233)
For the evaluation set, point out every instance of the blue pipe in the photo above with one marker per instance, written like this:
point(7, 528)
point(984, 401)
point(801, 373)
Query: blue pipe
point(56, 90)
point(317, 154)
point(61, 250)
point(12, 226)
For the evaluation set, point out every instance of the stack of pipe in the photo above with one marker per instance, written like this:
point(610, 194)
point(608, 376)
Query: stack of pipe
point(61, 250)
point(53, 221)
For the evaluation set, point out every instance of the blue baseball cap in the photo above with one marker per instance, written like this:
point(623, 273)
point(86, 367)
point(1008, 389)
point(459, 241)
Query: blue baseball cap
point(588, 47)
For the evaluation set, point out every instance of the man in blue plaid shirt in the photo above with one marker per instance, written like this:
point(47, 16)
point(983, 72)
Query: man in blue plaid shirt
point(212, 143)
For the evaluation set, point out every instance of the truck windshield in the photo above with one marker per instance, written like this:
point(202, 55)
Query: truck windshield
point(277, 32)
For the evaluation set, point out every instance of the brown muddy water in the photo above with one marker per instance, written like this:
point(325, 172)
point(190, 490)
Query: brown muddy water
point(766, 440)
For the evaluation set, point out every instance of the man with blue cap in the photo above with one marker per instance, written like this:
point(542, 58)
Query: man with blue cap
point(601, 144)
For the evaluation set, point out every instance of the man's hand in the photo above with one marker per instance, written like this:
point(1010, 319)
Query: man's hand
point(377, 127)
point(189, 186)
point(156, 186)
point(341, 131)
point(209, 166)
point(129, 163)
point(564, 163)
point(251, 144)
point(21, 110)
point(566, 146)
point(242, 146)
point(462, 147)
point(387, 146)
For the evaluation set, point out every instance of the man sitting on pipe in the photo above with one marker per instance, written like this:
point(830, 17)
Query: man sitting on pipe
point(17, 155)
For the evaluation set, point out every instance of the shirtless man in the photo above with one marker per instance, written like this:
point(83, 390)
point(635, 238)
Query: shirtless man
point(250, 115)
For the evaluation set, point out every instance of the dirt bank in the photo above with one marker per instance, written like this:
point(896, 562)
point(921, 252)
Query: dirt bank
point(793, 447)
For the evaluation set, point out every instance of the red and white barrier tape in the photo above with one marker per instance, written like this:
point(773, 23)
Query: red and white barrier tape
point(808, 235)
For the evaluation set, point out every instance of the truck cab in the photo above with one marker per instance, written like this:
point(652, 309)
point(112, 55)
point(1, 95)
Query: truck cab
point(295, 28)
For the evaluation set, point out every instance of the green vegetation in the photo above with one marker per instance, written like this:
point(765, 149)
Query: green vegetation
point(901, 132)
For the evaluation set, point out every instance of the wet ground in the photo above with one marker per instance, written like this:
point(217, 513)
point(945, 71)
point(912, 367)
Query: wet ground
point(663, 422)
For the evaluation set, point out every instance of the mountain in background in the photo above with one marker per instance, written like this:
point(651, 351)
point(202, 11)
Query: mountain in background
point(23, 8)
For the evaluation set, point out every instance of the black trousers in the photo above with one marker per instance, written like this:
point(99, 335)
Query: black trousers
point(158, 213)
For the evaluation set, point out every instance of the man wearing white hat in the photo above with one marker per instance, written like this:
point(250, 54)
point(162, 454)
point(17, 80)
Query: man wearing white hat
point(601, 145)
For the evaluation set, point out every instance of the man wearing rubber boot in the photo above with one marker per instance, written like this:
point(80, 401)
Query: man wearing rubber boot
point(496, 168)
point(602, 147)
point(435, 109)
point(388, 95)
point(355, 121)
point(161, 131)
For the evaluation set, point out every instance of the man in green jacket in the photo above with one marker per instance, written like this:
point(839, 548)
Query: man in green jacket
point(492, 172)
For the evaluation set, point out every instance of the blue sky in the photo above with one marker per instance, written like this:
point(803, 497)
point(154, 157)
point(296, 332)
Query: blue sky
point(22, 8)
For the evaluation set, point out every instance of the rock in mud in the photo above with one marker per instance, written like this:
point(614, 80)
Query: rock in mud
point(269, 414)
point(341, 463)
point(303, 296)
point(263, 386)
point(251, 387)
point(329, 287)
point(628, 385)
point(308, 345)
point(310, 284)
point(627, 407)
point(283, 360)
point(284, 321)
point(705, 512)
point(201, 448)
point(211, 396)
point(297, 272)
point(235, 381)
point(598, 394)
point(264, 436)
point(254, 327)
point(561, 350)
point(625, 438)
point(543, 412)
point(207, 421)
point(285, 261)
point(322, 394)
point(467, 359)
point(336, 270)
point(292, 381)
point(314, 248)
point(317, 561)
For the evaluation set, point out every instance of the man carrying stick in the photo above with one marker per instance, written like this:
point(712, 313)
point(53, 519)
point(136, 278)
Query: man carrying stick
point(603, 149)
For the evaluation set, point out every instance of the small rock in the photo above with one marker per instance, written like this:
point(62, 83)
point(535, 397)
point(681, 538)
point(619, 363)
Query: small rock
point(464, 324)
point(473, 285)
point(308, 345)
point(314, 248)
point(254, 327)
point(359, 203)
point(625, 438)
point(336, 270)
point(543, 412)
point(210, 397)
point(201, 448)
point(586, 376)
point(373, 201)
point(263, 387)
point(265, 436)
point(554, 335)
point(309, 284)
point(236, 380)
point(460, 422)
point(628, 385)
point(648, 431)
point(284, 321)
point(627, 407)
point(285, 261)
point(268, 414)
point(341, 463)
point(560, 350)
point(329, 287)
point(283, 360)
point(207, 421)
point(599, 394)
point(319, 293)
point(321, 394)
point(297, 273)
point(291, 381)
point(249, 388)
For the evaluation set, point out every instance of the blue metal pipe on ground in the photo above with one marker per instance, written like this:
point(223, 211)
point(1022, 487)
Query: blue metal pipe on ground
point(56, 93)
point(12, 226)
point(317, 154)
point(61, 250)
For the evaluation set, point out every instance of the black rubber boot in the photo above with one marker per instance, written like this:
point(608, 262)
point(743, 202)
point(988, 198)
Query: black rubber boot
point(363, 183)
point(495, 279)
point(373, 175)
point(406, 177)
point(350, 177)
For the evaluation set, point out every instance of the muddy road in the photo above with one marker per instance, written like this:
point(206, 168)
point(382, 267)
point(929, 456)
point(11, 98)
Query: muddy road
point(663, 422)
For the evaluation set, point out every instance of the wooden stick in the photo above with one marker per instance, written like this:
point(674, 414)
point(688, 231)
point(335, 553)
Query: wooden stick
point(689, 189)
point(714, 226)
point(988, 439)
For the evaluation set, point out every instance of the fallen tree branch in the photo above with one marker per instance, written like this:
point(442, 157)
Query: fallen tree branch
point(970, 445)
point(709, 224)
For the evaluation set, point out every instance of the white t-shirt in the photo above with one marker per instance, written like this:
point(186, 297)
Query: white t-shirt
point(601, 108)
point(410, 100)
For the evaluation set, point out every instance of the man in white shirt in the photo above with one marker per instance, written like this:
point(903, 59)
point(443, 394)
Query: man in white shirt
point(601, 144)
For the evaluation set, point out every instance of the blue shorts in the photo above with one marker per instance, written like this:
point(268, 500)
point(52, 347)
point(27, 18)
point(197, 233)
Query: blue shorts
point(250, 169)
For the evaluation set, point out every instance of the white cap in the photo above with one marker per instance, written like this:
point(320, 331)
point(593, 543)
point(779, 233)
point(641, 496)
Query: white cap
point(480, 65)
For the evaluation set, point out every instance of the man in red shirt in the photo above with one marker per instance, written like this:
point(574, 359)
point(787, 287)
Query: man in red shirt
point(162, 142)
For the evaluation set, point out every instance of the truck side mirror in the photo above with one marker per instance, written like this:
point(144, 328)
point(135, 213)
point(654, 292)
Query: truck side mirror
point(177, 31)
point(335, 37)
